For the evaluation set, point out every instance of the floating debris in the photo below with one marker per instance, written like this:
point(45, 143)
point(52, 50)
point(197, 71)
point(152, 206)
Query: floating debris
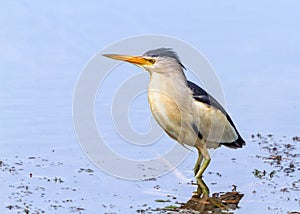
point(162, 200)
point(90, 171)
point(296, 138)
point(264, 174)
point(284, 158)
point(25, 188)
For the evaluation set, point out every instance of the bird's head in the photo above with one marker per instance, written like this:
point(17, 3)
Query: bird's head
point(161, 60)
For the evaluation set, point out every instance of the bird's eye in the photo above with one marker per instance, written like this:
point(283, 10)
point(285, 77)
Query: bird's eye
point(152, 61)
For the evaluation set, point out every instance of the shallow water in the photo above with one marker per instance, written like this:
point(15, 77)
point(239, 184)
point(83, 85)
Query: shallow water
point(43, 50)
point(55, 182)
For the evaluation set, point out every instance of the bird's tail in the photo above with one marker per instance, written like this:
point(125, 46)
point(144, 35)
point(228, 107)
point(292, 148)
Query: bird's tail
point(239, 143)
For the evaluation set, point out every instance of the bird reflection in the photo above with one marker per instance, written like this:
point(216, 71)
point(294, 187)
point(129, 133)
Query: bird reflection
point(218, 202)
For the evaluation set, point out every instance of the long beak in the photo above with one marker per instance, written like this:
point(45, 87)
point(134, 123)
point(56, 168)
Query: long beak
point(137, 60)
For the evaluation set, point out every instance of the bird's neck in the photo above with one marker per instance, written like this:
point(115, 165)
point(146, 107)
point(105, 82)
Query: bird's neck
point(173, 84)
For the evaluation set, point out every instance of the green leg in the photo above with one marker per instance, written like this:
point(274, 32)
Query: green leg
point(202, 188)
point(203, 153)
point(202, 168)
point(198, 162)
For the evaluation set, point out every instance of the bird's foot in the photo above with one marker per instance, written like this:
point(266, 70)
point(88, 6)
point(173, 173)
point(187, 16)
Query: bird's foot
point(202, 189)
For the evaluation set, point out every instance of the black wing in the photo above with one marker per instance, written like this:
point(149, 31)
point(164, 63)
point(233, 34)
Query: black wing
point(201, 95)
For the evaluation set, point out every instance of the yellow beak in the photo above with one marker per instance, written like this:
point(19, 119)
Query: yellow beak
point(137, 60)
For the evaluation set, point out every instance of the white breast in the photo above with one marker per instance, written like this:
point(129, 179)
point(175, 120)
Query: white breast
point(171, 107)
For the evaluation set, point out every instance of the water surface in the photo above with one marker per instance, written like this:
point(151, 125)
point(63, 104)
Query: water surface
point(44, 47)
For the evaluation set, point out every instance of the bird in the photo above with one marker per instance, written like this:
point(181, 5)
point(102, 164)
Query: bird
point(184, 110)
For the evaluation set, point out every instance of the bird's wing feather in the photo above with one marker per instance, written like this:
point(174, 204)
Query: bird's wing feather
point(202, 96)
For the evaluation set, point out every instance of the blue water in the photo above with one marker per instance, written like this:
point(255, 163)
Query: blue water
point(254, 48)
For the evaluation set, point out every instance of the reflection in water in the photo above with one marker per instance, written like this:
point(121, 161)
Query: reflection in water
point(218, 202)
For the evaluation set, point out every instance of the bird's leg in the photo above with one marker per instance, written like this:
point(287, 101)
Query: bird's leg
point(198, 162)
point(202, 149)
point(202, 168)
point(202, 188)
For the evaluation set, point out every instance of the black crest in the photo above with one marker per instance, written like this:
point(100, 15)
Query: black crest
point(164, 52)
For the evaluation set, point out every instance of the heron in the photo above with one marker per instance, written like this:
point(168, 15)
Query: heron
point(185, 111)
